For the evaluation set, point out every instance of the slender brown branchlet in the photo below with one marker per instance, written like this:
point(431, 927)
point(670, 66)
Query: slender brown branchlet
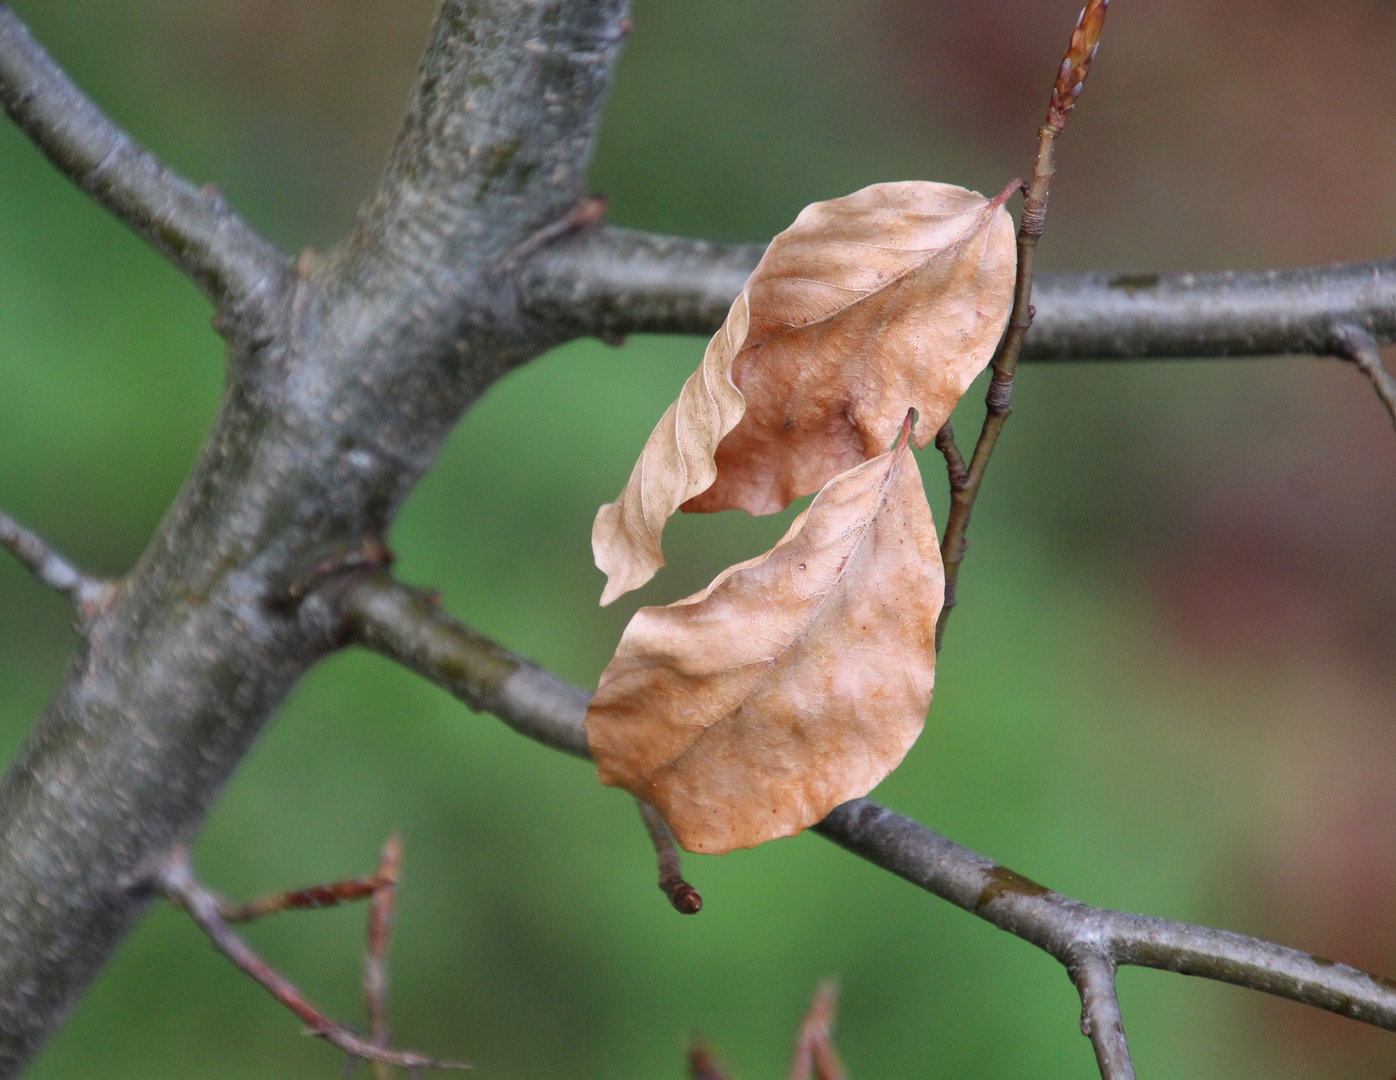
point(1085, 39)
point(681, 894)
point(816, 1057)
point(380, 925)
point(311, 898)
point(177, 881)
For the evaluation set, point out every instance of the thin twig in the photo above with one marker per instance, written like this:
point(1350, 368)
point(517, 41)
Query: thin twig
point(816, 1057)
point(308, 899)
point(380, 926)
point(1075, 67)
point(452, 656)
point(88, 594)
point(1093, 972)
point(681, 894)
point(177, 881)
point(1355, 344)
point(191, 226)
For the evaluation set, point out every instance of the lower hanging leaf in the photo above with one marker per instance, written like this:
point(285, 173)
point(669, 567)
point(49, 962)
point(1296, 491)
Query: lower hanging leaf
point(795, 681)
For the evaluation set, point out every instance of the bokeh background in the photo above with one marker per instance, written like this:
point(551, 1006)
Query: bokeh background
point(1169, 686)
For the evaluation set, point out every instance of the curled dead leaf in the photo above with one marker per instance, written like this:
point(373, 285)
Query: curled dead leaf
point(676, 464)
point(891, 297)
point(794, 682)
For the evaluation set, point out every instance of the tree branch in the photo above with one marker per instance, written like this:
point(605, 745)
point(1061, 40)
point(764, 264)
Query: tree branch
point(86, 593)
point(408, 626)
point(192, 227)
point(176, 880)
point(816, 1057)
point(964, 488)
point(1093, 972)
point(613, 282)
point(333, 410)
point(457, 659)
point(380, 928)
point(1355, 344)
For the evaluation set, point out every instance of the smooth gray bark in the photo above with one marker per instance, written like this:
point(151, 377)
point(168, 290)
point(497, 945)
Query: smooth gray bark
point(338, 397)
point(613, 282)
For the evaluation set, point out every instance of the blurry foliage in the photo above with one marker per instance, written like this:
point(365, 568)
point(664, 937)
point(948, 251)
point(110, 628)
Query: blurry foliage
point(1169, 686)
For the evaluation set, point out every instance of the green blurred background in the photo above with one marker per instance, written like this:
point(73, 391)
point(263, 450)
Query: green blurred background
point(1169, 684)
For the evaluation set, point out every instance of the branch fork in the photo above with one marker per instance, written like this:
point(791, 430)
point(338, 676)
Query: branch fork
point(213, 915)
point(89, 595)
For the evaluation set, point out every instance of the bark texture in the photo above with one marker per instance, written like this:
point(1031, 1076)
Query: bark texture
point(341, 386)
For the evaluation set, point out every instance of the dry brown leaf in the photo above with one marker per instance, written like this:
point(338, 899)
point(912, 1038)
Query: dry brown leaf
point(794, 682)
point(892, 297)
point(675, 465)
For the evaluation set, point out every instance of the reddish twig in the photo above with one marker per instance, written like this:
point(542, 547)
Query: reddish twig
point(702, 1064)
point(815, 1056)
point(176, 879)
point(1085, 39)
point(681, 894)
point(380, 921)
point(310, 899)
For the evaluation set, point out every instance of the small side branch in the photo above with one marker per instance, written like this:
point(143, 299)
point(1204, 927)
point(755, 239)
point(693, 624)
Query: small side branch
point(380, 926)
point(816, 1057)
point(1085, 39)
point(312, 899)
point(681, 894)
point(88, 594)
point(1008, 900)
point(1093, 972)
point(1355, 344)
point(192, 227)
point(176, 879)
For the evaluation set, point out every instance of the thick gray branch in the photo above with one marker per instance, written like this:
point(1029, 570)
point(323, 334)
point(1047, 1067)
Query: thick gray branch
point(192, 227)
point(336, 404)
point(86, 593)
point(451, 656)
point(613, 282)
